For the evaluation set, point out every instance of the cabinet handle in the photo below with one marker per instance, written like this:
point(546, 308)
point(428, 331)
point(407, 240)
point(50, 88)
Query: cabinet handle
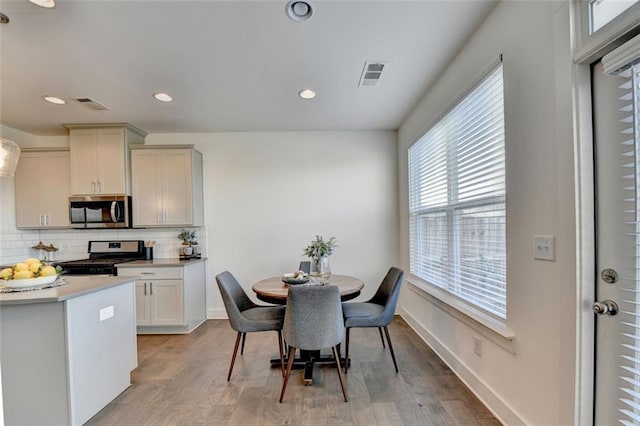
point(99, 187)
point(40, 219)
point(145, 289)
point(151, 289)
point(165, 218)
point(93, 186)
point(46, 219)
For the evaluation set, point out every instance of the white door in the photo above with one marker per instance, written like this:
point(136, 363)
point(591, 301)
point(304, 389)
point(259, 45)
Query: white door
point(617, 351)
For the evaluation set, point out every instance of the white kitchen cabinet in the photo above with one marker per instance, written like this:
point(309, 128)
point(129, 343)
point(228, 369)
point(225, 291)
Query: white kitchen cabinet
point(159, 302)
point(42, 187)
point(167, 186)
point(170, 294)
point(100, 157)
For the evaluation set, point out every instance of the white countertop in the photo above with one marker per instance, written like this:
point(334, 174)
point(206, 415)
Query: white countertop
point(76, 286)
point(173, 261)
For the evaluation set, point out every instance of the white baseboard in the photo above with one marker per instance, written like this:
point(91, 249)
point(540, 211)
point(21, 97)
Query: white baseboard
point(216, 314)
point(489, 398)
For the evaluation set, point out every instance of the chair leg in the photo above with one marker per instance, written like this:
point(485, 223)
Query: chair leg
point(292, 354)
point(244, 337)
point(280, 344)
point(393, 356)
point(337, 358)
point(235, 352)
point(381, 338)
point(346, 353)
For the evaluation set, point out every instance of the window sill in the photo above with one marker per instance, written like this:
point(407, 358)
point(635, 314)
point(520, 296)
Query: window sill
point(482, 323)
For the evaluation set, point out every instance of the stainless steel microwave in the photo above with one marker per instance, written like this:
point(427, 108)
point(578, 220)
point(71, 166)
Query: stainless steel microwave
point(106, 211)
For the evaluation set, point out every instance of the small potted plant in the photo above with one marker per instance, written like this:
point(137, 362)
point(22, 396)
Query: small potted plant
point(319, 251)
point(188, 241)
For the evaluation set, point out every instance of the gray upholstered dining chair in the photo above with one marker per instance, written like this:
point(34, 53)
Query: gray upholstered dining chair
point(376, 312)
point(305, 266)
point(313, 320)
point(246, 316)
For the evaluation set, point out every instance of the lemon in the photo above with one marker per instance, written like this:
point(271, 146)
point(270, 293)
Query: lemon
point(6, 273)
point(23, 275)
point(48, 271)
point(35, 267)
point(31, 260)
point(20, 266)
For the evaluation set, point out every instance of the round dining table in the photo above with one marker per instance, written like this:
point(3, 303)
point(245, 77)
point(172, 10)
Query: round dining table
point(274, 290)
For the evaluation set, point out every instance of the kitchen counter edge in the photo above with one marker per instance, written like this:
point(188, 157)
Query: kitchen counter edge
point(76, 286)
point(160, 262)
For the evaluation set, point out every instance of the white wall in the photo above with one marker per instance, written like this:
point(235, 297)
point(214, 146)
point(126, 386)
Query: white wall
point(536, 384)
point(268, 194)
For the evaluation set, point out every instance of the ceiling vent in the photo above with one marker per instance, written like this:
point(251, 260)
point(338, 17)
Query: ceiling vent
point(371, 73)
point(91, 104)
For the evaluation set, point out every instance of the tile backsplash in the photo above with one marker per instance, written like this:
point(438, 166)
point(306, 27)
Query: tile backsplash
point(16, 245)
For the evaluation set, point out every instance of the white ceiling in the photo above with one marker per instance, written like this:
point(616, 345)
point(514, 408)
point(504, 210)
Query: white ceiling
point(232, 65)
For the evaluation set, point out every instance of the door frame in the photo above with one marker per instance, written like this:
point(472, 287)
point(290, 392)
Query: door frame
point(587, 49)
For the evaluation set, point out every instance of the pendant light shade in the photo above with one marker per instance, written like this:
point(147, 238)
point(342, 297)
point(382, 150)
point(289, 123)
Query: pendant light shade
point(9, 154)
point(44, 3)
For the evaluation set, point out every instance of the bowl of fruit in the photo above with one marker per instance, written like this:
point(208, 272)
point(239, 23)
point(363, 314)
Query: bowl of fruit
point(297, 277)
point(30, 273)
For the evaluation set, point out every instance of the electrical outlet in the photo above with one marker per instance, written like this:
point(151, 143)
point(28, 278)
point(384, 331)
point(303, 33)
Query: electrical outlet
point(544, 247)
point(106, 313)
point(477, 346)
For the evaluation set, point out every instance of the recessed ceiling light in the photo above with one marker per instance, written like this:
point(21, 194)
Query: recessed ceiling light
point(44, 3)
point(54, 100)
point(307, 94)
point(162, 97)
point(299, 10)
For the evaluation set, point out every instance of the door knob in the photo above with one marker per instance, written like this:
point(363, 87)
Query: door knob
point(606, 307)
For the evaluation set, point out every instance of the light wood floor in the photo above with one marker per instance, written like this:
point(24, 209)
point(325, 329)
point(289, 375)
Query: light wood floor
point(181, 380)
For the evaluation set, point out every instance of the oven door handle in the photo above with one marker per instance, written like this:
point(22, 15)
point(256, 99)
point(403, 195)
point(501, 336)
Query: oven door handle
point(115, 211)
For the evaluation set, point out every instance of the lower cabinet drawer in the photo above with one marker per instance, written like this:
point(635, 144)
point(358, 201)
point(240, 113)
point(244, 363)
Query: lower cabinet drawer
point(152, 273)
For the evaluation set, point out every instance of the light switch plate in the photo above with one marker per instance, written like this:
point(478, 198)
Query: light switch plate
point(544, 247)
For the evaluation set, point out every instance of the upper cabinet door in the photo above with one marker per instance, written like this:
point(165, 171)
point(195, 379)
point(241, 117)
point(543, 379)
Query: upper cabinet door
point(177, 187)
point(84, 161)
point(146, 187)
point(42, 200)
point(110, 150)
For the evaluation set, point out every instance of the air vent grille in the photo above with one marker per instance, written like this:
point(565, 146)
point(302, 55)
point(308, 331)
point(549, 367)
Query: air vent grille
point(91, 104)
point(371, 73)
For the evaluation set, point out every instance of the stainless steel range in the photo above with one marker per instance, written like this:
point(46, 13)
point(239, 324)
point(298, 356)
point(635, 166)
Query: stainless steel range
point(103, 256)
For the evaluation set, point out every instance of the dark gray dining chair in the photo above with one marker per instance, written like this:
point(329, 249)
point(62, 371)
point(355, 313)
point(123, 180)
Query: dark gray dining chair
point(246, 316)
point(305, 266)
point(376, 312)
point(313, 321)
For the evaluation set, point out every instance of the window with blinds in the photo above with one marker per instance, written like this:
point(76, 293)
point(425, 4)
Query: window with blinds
point(457, 200)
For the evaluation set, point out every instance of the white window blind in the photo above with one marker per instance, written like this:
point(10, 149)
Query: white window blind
point(625, 62)
point(457, 200)
point(629, 315)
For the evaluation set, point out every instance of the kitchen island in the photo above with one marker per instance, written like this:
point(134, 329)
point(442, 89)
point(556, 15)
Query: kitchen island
point(66, 351)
